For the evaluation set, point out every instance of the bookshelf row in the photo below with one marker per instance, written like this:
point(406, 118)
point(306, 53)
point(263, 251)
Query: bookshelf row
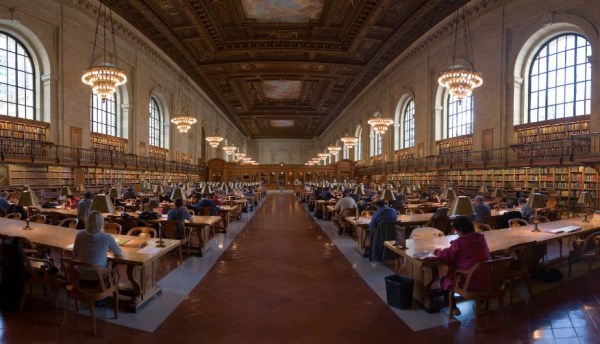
point(17, 128)
point(565, 182)
point(557, 130)
point(158, 152)
point(106, 142)
point(100, 177)
point(459, 144)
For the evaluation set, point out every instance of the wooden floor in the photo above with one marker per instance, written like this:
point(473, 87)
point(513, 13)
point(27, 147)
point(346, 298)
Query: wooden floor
point(283, 281)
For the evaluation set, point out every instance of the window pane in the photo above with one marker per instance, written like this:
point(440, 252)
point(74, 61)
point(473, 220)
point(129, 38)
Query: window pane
point(104, 115)
point(460, 117)
point(17, 92)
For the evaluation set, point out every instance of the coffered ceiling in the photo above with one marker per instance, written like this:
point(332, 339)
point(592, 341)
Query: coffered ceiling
point(283, 68)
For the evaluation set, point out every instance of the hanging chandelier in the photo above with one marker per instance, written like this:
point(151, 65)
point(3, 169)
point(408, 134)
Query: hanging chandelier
point(214, 141)
point(460, 80)
point(323, 156)
point(229, 149)
point(349, 141)
point(334, 150)
point(183, 122)
point(379, 123)
point(185, 119)
point(105, 77)
point(240, 155)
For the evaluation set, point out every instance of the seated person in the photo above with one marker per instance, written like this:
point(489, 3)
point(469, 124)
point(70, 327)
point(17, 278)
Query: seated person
point(4, 203)
point(151, 205)
point(382, 214)
point(482, 210)
point(206, 201)
point(526, 212)
point(434, 198)
point(469, 249)
point(129, 194)
point(346, 202)
point(179, 214)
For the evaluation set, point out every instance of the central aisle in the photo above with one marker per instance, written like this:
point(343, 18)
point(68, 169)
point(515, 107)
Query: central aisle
point(282, 280)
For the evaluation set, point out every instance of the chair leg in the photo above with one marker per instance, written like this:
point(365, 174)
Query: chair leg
point(570, 257)
point(64, 319)
point(451, 304)
point(93, 316)
point(116, 303)
point(477, 311)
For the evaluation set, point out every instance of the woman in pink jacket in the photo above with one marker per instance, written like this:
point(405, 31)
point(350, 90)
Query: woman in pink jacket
point(469, 249)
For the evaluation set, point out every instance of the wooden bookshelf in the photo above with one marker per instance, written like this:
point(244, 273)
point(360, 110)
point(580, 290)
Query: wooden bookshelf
point(158, 152)
point(553, 130)
point(455, 144)
point(24, 129)
point(107, 142)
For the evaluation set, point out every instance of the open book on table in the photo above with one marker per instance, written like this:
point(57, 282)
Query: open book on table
point(567, 229)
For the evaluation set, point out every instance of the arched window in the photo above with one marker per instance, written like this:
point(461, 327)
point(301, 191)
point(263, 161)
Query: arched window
point(459, 119)
point(408, 125)
point(203, 144)
point(376, 143)
point(560, 79)
point(17, 75)
point(358, 146)
point(155, 124)
point(104, 115)
point(345, 152)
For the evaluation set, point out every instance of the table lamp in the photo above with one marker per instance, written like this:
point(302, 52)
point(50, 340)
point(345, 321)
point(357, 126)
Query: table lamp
point(206, 190)
point(360, 190)
point(388, 196)
point(586, 200)
point(498, 193)
point(27, 200)
point(158, 188)
point(65, 191)
point(26, 188)
point(483, 190)
point(177, 193)
point(462, 206)
point(405, 190)
point(80, 188)
point(113, 193)
point(102, 204)
point(449, 194)
point(536, 201)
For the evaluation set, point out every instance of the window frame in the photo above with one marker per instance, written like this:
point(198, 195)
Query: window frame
point(20, 108)
point(94, 100)
point(155, 129)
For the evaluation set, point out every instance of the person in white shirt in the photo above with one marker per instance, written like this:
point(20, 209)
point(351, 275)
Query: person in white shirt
point(346, 202)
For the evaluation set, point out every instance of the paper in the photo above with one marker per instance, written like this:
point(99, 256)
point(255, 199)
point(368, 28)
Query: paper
point(149, 250)
point(567, 229)
point(423, 255)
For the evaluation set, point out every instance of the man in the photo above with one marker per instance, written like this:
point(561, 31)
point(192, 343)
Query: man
point(482, 210)
point(179, 214)
point(346, 202)
point(526, 212)
point(83, 208)
point(383, 214)
point(205, 201)
point(129, 194)
point(4, 204)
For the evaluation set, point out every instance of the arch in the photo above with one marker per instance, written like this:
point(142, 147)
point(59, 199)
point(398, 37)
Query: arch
point(452, 118)
point(358, 133)
point(402, 127)
point(162, 99)
point(42, 65)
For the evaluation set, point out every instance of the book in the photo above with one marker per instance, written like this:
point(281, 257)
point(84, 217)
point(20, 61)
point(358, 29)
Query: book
point(131, 242)
point(567, 229)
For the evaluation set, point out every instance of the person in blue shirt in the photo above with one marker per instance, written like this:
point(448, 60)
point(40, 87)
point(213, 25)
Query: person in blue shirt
point(207, 202)
point(482, 210)
point(4, 204)
point(383, 214)
point(179, 214)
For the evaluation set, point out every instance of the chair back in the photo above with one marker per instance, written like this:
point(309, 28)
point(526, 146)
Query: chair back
point(512, 223)
point(349, 212)
point(75, 290)
point(14, 216)
point(38, 218)
point(497, 269)
point(208, 211)
point(503, 222)
point(143, 232)
point(169, 228)
point(482, 227)
point(112, 228)
point(523, 259)
point(440, 220)
point(69, 223)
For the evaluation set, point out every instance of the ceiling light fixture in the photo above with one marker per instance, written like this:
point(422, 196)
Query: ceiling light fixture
point(214, 141)
point(105, 77)
point(334, 150)
point(185, 119)
point(349, 141)
point(229, 149)
point(380, 123)
point(240, 155)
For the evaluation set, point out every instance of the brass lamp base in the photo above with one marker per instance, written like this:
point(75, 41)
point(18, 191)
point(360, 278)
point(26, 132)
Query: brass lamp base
point(27, 227)
point(585, 218)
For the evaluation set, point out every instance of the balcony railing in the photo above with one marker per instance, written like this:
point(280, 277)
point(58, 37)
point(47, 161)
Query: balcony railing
point(583, 148)
point(26, 151)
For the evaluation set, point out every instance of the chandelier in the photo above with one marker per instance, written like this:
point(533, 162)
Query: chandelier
point(379, 123)
point(240, 155)
point(334, 150)
point(323, 156)
point(229, 149)
point(105, 77)
point(214, 141)
point(349, 141)
point(183, 122)
point(460, 80)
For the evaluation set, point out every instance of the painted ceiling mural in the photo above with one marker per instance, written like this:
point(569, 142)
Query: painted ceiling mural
point(283, 11)
point(304, 61)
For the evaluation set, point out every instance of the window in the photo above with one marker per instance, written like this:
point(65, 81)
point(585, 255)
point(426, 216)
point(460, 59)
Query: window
point(155, 124)
point(358, 146)
point(17, 86)
point(560, 79)
point(376, 143)
point(104, 115)
point(408, 125)
point(460, 117)
point(345, 152)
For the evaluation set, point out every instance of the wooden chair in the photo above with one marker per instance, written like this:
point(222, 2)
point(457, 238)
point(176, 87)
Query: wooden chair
point(38, 218)
point(522, 266)
point(39, 271)
point(69, 223)
point(84, 291)
point(482, 227)
point(344, 225)
point(417, 211)
point(512, 223)
point(14, 216)
point(498, 270)
point(112, 228)
point(143, 232)
point(169, 228)
point(587, 249)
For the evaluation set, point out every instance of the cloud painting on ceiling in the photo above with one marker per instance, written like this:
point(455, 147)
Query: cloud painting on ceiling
point(282, 89)
point(283, 11)
point(282, 123)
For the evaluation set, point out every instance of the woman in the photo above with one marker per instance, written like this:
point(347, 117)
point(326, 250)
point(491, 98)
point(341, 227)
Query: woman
point(469, 249)
point(92, 244)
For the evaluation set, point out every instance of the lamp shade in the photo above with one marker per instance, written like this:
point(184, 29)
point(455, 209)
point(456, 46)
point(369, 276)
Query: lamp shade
point(462, 206)
point(360, 190)
point(158, 188)
point(65, 191)
point(177, 193)
point(80, 188)
point(498, 193)
point(103, 204)
point(449, 194)
point(483, 189)
point(585, 198)
point(406, 190)
point(113, 193)
point(536, 201)
point(206, 190)
point(26, 188)
point(28, 199)
point(388, 195)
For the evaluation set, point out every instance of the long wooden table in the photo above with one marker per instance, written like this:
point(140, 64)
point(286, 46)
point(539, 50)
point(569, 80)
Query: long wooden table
point(141, 268)
point(425, 270)
point(362, 226)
